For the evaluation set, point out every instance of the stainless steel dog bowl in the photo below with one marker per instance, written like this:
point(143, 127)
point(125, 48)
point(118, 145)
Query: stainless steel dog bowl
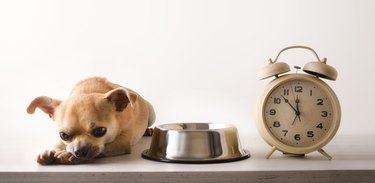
point(195, 143)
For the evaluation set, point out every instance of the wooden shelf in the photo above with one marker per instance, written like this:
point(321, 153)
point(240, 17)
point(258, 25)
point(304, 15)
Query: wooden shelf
point(353, 161)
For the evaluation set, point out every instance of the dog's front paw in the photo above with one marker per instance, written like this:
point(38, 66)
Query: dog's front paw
point(46, 158)
point(65, 157)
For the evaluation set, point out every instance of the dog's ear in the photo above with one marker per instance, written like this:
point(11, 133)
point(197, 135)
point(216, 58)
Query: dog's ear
point(120, 98)
point(46, 104)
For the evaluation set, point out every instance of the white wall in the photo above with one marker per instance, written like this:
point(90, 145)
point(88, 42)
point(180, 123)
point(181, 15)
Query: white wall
point(194, 60)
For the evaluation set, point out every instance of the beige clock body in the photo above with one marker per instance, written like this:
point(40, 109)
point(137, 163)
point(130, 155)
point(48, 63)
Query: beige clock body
point(298, 114)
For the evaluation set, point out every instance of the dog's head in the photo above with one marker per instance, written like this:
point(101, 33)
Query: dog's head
point(86, 122)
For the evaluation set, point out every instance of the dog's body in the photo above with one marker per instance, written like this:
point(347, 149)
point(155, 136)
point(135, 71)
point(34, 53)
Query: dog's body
point(98, 119)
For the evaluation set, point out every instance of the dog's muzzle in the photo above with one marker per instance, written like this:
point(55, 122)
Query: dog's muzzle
point(86, 152)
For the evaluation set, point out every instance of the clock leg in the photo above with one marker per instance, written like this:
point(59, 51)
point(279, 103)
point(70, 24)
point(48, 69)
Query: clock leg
point(325, 154)
point(271, 152)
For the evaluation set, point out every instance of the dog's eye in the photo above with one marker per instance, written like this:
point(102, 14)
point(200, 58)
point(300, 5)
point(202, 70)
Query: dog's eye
point(65, 137)
point(99, 132)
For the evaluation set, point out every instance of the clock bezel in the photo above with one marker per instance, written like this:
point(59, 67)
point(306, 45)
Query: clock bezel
point(275, 142)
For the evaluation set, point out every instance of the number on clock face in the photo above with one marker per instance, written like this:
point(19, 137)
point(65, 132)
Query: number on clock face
point(298, 113)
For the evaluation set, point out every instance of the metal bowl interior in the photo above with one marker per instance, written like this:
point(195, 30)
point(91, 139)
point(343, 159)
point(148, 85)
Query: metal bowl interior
point(195, 143)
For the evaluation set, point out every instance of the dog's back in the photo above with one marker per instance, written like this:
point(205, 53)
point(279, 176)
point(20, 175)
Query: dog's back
point(93, 85)
point(102, 85)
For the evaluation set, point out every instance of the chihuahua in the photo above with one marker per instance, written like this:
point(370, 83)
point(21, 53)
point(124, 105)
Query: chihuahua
point(99, 119)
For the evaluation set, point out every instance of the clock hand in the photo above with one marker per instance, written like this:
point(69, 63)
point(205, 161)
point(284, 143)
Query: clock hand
point(298, 113)
point(295, 110)
point(294, 120)
point(287, 101)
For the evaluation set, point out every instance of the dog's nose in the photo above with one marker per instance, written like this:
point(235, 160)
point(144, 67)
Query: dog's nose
point(81, 152)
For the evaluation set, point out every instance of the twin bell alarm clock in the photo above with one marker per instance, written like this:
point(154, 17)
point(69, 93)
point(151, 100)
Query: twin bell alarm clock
point(298, 113)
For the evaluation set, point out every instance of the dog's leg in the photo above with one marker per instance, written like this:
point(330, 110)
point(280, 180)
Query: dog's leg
point(151, 120)
point(149, 132)
point(121, 145)
point(151, 114)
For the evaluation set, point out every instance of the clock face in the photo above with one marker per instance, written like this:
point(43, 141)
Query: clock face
point(299, 112)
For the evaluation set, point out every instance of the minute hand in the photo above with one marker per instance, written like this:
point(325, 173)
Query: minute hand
point(298, 113)
point(287, 101)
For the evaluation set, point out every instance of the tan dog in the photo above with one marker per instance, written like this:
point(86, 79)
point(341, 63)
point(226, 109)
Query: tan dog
point(98, 119)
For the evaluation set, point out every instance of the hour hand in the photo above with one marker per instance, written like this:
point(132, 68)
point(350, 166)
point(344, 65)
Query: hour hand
point(287, 101)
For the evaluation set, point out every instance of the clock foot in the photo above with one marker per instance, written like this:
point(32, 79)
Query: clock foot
point(325, 154)
point(271, 152)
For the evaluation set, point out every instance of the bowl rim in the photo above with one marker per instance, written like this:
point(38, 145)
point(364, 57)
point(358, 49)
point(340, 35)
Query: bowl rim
point(146, 155)
point(215, 126)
